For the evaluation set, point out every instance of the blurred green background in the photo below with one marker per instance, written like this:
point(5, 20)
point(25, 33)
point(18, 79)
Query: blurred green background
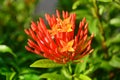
point(103, 17)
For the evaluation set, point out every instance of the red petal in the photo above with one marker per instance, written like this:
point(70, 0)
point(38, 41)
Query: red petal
point(58, 13)
point(27, 31)
point(33, 26)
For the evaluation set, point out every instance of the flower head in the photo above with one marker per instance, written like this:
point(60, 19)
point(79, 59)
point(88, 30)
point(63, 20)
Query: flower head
point(59, 43)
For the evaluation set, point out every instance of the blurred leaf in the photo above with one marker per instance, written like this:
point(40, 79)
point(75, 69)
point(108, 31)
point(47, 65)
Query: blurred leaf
point(76, 4)
point(105, 65)
point(45, 63)
point(20, 6)
point(114, 49)
point(4, 49)
point(114, 39)
point(70, 68)
point(91, 69)
point(101, 9)
point(115, 21)
point(81, 66)
point(95, 55)
point(83, 77)
point(29, 76)
point(117, 1)
point(66, 72)
point(29, 57)
point(93, 27)
point(3, 70)
point(80, 13)
point(20, 18)
point(79, 2)
point(116, 4)
point(53, 76)
point(115, 61)
point(10, 76)
point(105, 0)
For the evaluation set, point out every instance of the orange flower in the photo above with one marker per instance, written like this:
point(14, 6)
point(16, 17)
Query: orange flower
point(59, 43)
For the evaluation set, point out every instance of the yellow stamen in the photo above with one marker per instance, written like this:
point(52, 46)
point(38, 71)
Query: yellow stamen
point(61, 26)
point(68, 46)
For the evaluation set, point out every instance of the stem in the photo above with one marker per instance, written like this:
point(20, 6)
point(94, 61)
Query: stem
point(70, 68)
point(66, 71)
point(98, 16)
point(99, 25)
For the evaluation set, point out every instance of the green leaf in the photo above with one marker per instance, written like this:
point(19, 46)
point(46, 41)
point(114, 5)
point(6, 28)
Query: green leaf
point(101, 9)
point(115, 21)
point(76, 4)
point(105, 0)
point(53, 76)
point(83, 77)
point(10, 76)
point(105, 65)
point(80, 13)
point(114, 49)
point(114, 39)
point(65, 71)
point(88, 71)
point(79, 2)
point(115, 61)
point(45, 63)
point(81, 66)
point(28, 76)
point(4, 49)
point(20, 6)
point(93, 26)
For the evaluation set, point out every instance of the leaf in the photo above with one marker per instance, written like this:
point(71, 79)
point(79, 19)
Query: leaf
point(78, 3)
point(105, 65)
point(115, 61)
point(93, 27)
point(81, 66)
point(10, 76)
point(45, 63)
point(83, 77)
point(20, 6)
point(4, 49)
point(101, 9)
point(114, 39)
point(105, 0)
point(28, 76)
point(115, 21)
point(53, 76)
point(80, 13)
point(88, 71)
point(114, 49)
point(65, 71)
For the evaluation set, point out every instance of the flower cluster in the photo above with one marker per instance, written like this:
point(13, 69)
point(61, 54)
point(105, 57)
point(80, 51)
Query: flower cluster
point(59, 43)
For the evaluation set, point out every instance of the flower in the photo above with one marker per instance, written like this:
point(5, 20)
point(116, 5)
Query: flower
point(59, 43)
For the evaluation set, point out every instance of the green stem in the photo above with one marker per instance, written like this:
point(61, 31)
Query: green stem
point(66, 72)
point(96, 14)
point(70, 68)
point(103, 42)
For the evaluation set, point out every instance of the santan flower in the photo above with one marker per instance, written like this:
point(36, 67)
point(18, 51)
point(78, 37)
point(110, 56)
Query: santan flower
point(59, 43)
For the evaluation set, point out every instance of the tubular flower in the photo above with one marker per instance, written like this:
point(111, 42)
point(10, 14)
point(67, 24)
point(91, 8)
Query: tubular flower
point(59, 43)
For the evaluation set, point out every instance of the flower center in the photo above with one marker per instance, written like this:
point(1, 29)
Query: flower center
point(61, 26)
point(67, 46)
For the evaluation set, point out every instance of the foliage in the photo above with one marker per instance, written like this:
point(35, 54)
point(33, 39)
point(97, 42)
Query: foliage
point(103, 17)
point(15, 15)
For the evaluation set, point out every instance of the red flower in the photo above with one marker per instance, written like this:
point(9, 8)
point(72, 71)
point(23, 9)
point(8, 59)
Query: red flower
point(59, 43)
